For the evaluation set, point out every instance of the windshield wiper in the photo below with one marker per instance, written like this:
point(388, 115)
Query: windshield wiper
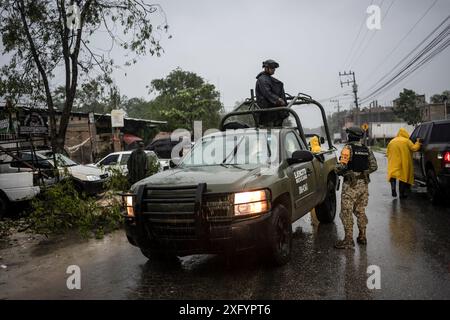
point(234, 152)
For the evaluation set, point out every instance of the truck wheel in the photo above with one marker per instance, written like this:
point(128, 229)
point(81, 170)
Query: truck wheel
point(280, 236)
point(160, 256)
point(326, 211)
point(433, 190)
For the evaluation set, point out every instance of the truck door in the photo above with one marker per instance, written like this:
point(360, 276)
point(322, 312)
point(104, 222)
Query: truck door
point(302, 177)
point(418, 157)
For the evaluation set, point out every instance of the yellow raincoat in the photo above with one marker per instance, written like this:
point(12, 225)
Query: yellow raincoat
point(399, 154)
point(315, 145)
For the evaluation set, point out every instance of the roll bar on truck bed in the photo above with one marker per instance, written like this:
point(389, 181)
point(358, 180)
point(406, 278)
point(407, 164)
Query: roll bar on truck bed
point(253, 109)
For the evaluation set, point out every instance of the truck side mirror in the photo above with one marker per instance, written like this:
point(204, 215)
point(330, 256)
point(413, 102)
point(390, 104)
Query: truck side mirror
point(300, 156)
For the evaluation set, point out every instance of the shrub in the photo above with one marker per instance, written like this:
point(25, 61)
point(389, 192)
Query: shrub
point(60, 208)
point(6, 226)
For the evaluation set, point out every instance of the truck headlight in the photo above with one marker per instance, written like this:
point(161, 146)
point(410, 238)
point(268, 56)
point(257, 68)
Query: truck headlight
point(128, 201)
point(92, 178)
point(252, 202)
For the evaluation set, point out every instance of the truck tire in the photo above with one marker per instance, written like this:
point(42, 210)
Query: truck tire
point(160, 256)
point(326, 211)
point(280, 236)
point(3, 205)
point(433, 189)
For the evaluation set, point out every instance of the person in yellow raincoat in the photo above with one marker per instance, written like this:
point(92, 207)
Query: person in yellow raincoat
point(400, 163)
point(315, 145)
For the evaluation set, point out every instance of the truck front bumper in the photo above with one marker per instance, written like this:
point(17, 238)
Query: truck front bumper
point(235, 236)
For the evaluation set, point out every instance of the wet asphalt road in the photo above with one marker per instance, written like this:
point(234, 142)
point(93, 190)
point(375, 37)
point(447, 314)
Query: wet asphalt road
point(408, 239)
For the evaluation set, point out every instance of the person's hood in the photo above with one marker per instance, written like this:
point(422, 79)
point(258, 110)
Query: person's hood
point(315, 145)
point(314, 142)
point(262, 73)
point(403, 133)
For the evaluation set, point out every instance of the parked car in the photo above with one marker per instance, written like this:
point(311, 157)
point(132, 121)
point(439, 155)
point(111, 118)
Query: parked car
point(15, 187)
point(162, 147)
point(86, 179)
point(119, 160)
point(432, 162)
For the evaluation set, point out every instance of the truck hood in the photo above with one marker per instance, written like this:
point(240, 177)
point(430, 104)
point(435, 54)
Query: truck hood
point(218, 178)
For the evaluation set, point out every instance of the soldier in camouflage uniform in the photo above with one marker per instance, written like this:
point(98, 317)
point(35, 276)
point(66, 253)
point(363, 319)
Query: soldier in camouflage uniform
point(356, 163)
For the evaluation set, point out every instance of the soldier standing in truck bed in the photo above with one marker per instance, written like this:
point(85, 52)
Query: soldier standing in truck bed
point(270, 94)
point(356, 163)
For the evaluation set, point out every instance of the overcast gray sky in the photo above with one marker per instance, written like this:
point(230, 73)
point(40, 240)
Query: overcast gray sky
point(226, 41)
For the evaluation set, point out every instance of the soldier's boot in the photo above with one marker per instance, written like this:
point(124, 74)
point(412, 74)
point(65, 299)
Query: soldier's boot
point(346, 243)
point(362, 239)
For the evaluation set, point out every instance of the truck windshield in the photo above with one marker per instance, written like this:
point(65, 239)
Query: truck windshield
point(231, 149)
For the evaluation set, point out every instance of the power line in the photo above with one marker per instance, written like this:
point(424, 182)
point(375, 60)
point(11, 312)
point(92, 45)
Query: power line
point(333, 97)
point(374, 33)
point(399, 77)
point(436, 46)
point(428, 58)
point(354, 41)
point(439, 37)
point(383, 61)
point(411, 52)
point(362, 41)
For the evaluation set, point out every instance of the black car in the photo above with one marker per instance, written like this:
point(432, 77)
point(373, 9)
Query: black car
point(432, 162)
point(162, 147)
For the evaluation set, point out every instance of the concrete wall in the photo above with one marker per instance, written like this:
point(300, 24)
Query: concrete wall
point(388, 130)
point(434, 111)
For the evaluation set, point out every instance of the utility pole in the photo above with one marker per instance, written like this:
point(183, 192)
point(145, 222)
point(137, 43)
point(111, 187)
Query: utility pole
point(338, 115)
point(351, 81)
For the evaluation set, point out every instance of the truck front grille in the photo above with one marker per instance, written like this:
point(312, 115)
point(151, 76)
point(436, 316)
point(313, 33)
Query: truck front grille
point(171, 213)
point(218, 208)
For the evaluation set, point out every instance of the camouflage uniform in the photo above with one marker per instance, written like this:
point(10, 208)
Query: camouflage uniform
point(355, 191)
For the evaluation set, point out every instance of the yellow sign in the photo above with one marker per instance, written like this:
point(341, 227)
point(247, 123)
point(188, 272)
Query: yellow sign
point(365, 126)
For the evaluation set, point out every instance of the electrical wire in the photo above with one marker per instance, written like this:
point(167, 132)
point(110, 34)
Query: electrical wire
point(432, 49)
point(386, 58)
point(374, 33)
point(355, 40)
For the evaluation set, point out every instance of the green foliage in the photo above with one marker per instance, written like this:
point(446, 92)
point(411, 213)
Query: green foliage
point(184, 97)
point(153, 165)
point(117, 181)
point(439, 98)
point(406, 107)
point(92, 96)
point(60, 208)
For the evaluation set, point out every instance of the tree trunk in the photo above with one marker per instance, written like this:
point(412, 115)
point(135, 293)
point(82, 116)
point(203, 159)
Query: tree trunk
point(48, 95)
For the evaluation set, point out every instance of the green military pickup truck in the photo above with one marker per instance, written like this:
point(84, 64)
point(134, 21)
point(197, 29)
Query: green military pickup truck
point(237, 189)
